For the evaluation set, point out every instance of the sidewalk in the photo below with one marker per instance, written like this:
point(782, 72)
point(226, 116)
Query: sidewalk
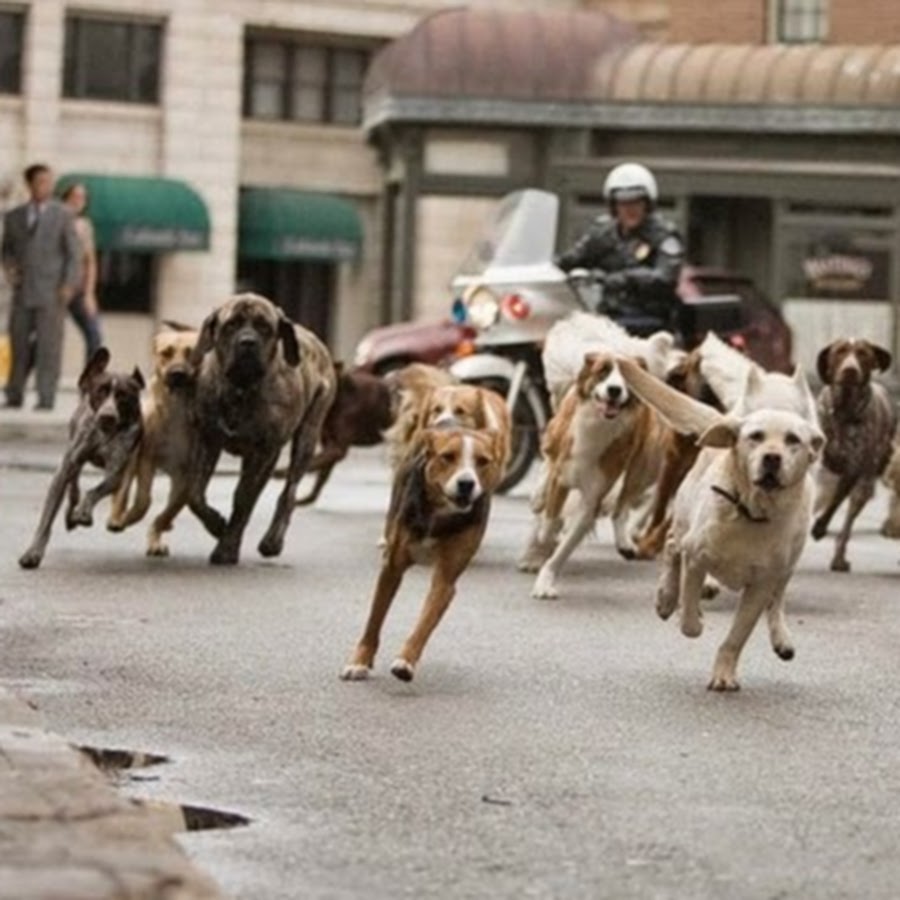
point(28, 424)
point(65, 834)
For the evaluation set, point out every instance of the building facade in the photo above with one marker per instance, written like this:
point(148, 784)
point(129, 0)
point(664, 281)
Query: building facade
point(221, 143)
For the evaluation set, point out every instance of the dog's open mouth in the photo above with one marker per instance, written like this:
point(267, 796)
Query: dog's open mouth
point(769, 481)
point(607, 408)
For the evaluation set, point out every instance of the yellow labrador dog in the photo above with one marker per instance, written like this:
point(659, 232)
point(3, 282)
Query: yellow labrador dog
point(741, 514)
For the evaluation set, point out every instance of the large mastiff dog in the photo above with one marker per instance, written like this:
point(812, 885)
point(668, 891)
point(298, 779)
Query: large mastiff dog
point(262, 381)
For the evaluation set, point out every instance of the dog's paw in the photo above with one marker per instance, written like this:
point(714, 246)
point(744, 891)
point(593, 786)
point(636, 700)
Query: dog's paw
point(530, 564)
point(402, 669)
point(113, 525)
point(819, 530)
point(355, 672)
point(627, 552)
point(224, 556)
point(158, 550)
point(666, 602)
point(840, 565)
point(692, 627)
point(890, 529)
point(545, 586)
point(30, 559)
point(81, 515)
point(784, 651)
point(723, 682)
point(270, 546)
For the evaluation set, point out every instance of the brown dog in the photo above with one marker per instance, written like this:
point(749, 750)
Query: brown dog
point(859, 421)
point(104, 431)
point(361, 413)
point(891, 525)
point(438, 514)
point(168, 441)
point(262, 382)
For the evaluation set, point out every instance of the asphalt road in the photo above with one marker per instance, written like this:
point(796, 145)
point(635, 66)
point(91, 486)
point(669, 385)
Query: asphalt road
point(546, 749)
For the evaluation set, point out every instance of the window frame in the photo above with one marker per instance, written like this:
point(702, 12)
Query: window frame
point(74, 70)
point(292, 44)
point(19, 16)
point(780, 14)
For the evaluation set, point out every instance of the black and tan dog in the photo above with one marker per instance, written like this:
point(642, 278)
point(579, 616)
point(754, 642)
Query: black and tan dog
point(859, 420)
point(104, 431)
point(438, 514)
point(262, 382)
point(168, 442)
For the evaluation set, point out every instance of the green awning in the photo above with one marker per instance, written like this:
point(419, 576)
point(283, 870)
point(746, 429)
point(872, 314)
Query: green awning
point(142, 214)
point(284, 224)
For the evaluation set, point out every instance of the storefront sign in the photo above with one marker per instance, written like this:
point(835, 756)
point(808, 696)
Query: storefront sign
point(840, 267)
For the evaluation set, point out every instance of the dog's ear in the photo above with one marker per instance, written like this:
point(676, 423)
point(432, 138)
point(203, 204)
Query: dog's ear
point(139, 378)
point(883, 357)
point(96, 366)
point(207, 339)
point(823, 365)
point(289, 343)
point(722, 434)
point(801, 382)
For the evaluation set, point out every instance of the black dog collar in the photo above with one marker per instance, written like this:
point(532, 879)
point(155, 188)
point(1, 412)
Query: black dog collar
point(739, 504)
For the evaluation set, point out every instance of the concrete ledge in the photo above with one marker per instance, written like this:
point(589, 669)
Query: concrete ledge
point(65, 833)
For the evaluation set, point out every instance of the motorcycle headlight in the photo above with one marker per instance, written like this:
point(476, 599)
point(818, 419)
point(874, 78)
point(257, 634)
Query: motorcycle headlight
point(484, 309)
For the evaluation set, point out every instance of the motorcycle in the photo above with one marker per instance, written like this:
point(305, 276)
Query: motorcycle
point(510, 293)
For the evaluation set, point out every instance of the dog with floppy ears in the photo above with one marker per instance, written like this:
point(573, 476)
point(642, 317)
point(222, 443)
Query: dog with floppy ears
point(741, 515)
point(104, 431)
point(168, 440)
point(262, 381)
point(438, 514)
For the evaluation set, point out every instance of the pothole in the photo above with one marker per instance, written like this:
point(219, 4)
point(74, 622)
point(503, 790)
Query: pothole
point(182, 817)
point(119, 765)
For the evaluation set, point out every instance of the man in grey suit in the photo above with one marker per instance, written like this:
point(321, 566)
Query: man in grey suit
point(42, 261)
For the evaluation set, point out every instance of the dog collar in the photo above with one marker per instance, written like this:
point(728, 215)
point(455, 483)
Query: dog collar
point(739, 504)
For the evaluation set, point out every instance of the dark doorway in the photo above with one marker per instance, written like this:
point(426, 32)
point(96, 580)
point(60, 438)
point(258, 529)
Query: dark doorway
point(304, 290)
point(732, 233)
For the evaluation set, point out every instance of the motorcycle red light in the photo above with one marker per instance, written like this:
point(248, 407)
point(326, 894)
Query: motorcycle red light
point(515, 306)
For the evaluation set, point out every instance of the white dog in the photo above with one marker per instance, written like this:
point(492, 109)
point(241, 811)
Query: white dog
point(741, 515)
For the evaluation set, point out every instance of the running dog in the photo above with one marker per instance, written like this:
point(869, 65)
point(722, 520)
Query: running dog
point(168, 441)
point(104, 431)
point(438, 514)
point(262, 382)
point(859, 420)
point(601, 432)
point(741, 515)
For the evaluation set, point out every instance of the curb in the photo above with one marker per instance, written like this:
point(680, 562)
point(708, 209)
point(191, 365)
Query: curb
point(65, 832)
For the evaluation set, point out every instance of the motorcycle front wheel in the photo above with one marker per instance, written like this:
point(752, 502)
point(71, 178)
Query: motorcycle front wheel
point(526, 437)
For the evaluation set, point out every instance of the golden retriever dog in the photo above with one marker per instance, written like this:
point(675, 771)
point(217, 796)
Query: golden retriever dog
point(438, 514)
point(168, 439)
point(601, 432)
point(741, 515)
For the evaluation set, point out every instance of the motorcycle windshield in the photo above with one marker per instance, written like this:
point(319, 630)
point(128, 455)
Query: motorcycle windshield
point(517, 242)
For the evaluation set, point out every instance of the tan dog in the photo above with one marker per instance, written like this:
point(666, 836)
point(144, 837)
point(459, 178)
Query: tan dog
point(891, 525)
point(262, 382)
point(601, 433)
point(168, 439)
point(741, 515)
point(438, 514)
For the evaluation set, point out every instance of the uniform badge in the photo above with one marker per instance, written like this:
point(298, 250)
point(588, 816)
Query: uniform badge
point(642, 251)
point(671, 245)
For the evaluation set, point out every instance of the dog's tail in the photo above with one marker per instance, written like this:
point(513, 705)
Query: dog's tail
point(682, 413)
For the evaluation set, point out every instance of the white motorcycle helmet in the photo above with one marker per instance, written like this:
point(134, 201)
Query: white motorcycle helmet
point(630, 181)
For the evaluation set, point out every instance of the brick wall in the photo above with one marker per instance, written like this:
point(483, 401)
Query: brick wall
point(864, 22)
point(729, 21)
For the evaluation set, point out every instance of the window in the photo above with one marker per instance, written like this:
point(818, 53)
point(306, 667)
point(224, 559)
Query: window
point(12, 26)
point(801, 21)
point(292, 79)
point(112, 59)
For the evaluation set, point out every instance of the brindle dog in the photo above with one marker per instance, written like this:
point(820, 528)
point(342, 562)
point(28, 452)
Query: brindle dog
point(262, 381)
point(104, 430)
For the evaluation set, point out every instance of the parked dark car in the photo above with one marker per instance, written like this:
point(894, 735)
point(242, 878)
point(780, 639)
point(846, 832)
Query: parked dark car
point(763, 335)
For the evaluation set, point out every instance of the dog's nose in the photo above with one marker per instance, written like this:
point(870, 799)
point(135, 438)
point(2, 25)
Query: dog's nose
point(465, 487)
point(771, 462)
point(247, 340)
point(107, 422)
point(613, 391)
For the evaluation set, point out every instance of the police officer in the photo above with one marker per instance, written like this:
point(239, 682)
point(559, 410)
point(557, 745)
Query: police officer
point(640, 252)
